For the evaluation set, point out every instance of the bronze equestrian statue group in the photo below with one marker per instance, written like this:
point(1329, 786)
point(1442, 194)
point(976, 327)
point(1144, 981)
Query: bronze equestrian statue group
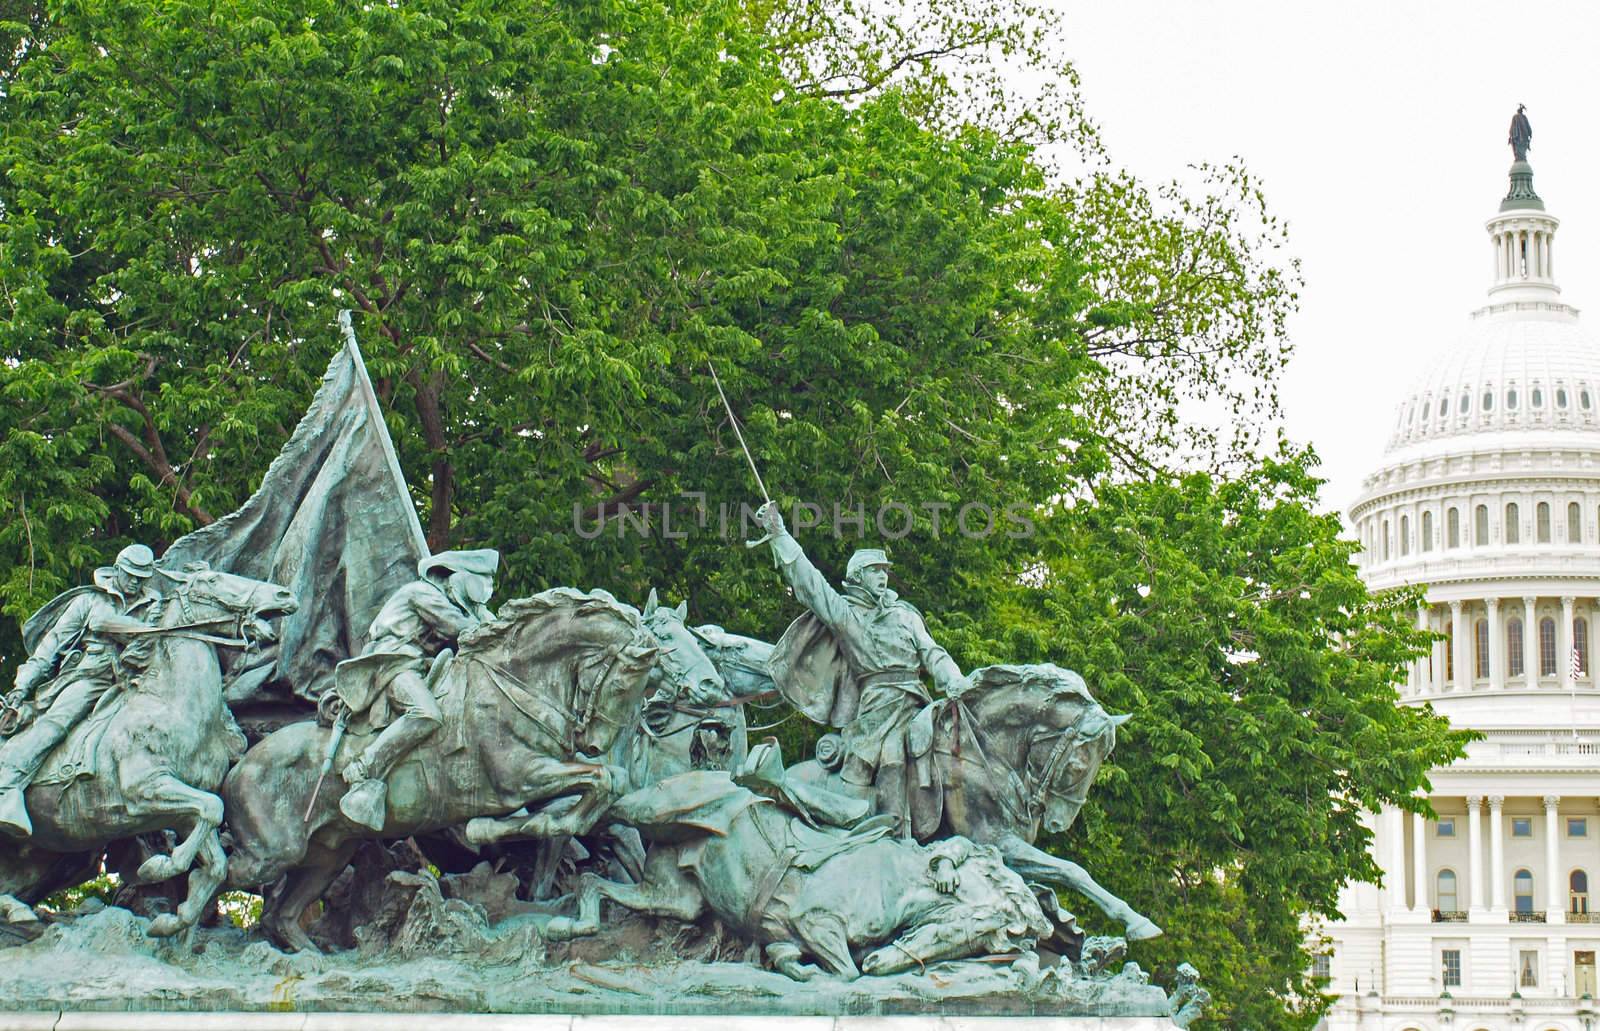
point(908, 839)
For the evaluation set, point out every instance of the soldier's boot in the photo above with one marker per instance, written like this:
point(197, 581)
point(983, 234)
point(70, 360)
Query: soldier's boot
point(20, 759)
point(367, 801)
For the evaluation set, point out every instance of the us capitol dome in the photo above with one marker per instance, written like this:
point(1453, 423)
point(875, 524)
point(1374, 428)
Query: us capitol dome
point(1488, 493)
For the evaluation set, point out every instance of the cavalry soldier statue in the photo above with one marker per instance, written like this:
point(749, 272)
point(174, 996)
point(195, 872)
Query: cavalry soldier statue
point(73, 661)
point(857, 662)
point(389, 682)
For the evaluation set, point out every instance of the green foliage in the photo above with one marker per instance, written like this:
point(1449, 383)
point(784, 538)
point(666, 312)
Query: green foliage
point(1227, 617)
point(552, 219)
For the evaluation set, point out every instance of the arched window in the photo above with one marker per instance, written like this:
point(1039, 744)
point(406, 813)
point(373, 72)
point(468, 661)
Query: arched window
point(1542, 522)
point(1574, 524)
point(1536, 399)
point(1583, 399)
point(1522, 890)
point(1444, 407)
point(1466, 402)
point(1427, 531)
point(1405, 535)
point(1450, 653)
point(1386, 540)
point(1480, 648)
point(1480, 526)
point(1578, 892)
point(1488, 401)
point(1511, 400)
point(1514, 647)
point(1445, 893)
point(1547, 647)
point(1513, 523)
point(1561, 397)
point(1453, 529)
point(1580, 642)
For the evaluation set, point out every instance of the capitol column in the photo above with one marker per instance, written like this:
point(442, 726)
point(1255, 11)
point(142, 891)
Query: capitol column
point(1439, 648)
point(1419, 665)
point(1497, 854)
point(1564, 644)
point(1497, 657)
point(1419, 864)
point(1553, 912)
point(1475, 853)
point(1530, 654)
point(1393, 826)
point(1458, 648)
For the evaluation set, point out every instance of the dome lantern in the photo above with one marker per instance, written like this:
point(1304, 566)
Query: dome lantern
point(1522, 233)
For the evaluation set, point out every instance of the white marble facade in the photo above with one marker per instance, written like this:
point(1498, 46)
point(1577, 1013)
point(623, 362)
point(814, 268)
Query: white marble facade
point(1489, 494)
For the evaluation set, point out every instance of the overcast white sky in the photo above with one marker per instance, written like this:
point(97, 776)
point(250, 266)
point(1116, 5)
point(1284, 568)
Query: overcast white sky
point(1378, 129)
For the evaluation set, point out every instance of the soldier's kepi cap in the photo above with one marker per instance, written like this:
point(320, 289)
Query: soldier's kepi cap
point(137, 560)
point(483, 561)
point(864, 558)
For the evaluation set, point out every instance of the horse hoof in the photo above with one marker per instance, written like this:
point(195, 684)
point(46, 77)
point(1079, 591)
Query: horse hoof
point(157, 868)
point(1141, 928)
point(165, 926)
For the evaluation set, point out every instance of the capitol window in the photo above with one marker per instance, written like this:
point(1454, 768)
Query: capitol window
point(1542, 522)
point(1480, 648)
point(1578, 827)
point(1427, 531)
point(1583, 399)
point(1488, 401)
point(1444, 407)
point(1445, 900)
point(1445, 827)
point(1537, 399)
point(1528, 972)
point(1580, 643)
point(1578, 892)
point(1511, 400)
point(1480, 526)
point(1514, 647)
point(1453, 529)
point(1466, 403)
point(1574, 524)
point(1522, 827)
point(1386, 540)
point(1522, 890)
point(1405, 535)
point(1513, 523)
point(1561, 397)
point(1450, 967)
point(1547, 647)
point(1450, 652)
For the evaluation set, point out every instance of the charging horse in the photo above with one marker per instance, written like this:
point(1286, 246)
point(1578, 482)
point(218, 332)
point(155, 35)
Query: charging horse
point(151, 757)
point(533, 704)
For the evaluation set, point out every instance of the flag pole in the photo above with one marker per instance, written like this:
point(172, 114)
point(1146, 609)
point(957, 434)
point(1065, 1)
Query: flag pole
point(375, 413)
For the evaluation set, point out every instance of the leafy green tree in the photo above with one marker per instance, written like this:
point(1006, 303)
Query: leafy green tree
point(1227, 616)
point(554, 219)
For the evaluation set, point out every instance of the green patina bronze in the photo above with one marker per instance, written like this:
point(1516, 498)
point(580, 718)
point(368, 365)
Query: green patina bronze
point(473, 785)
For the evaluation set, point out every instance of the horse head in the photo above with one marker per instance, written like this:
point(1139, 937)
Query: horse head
point(1053, 732)
point(210, 596)
point(683, 669)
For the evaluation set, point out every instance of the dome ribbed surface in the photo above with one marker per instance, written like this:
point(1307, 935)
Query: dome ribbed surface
point(1510, 372)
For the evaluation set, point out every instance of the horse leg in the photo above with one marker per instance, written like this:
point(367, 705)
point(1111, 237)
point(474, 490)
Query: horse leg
point(665, 891)
point(823, 934)
point(593, 787)
point(1035, 865)
point(166, 795)
point(204, 880)
point(280, 914)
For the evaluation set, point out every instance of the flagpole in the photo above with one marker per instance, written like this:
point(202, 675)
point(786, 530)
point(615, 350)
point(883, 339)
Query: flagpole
point(376, 415)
